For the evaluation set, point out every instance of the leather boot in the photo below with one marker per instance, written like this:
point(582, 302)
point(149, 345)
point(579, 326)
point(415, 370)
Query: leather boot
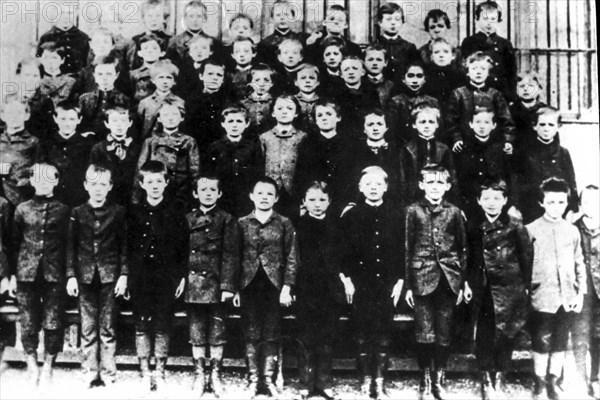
point(538, 386)
point(269, 374)
point(46, 374)
point(381, 368)
point(159, 374)
point(362, 362)
point(500, 382)
point(487, 389)
point(439, 384)
point(33, 370)
point(425, 383)
point(252, 361)
point(198, 386)
point(216, 360)
point(551, 387)
point(145, 374)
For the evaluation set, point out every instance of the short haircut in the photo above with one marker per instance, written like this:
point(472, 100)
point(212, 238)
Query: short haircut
point(389, 8)
point(317, 185)
point(548, 110)
point(235, 109)
point(118, 107)
point(110, 59)
point(440, 40)
point(53, 47)
point(286, 96)
point(588, 188)
point(478, 56)
point(242, 40)
point(436, 15)
point(241, 16)
point(153, 167)
point(373, 170)
point(207, 177)
point(164, 66)
point(97, 169)
point(484, 110)
point(554, 185)
point(104, 31)
point(39, 166)
point(267, 180)
point(304, 66)
point(195, 4)
point(413, 63)
point(373, 111)
point(424, 107)
point(67, 105)
point(290, 41)
point(434, 169)
point(495, 184)
point(211, 61)
point(488, 6)
point(377, 47)
point(333, 41)
point(29, 61)
point(202, 36)
point(328, 102)
point(169, 102)
point(285, 3)
point(261, 67)
point(151, 37)
point(337, 8)
point(148, 4)
point(352, 57)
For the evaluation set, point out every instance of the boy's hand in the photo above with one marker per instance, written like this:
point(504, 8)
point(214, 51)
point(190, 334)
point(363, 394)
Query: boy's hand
point(516, 214)
point(12, 287)
point(409, 299)
point(348, 288)
point(226, 295)
point(180, 288)
point(468, 293)
point(4, 285)
point(460, 297)
point(458, 146)
point(121, 286)
point(72, 287)
point(285, 299)
point(508, 148)
point(236, 300)
point(397, 291)
point(316, 35)
point(577, 303)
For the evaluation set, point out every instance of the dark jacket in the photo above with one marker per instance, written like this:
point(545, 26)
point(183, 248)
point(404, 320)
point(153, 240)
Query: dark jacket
point(203, 116)
point(590, 247)
point(5, 224)
point(97, 243)
point(400, 52)
point(314, 52)
point(501, 256)
point(214, 255)
point(21, 150)
point(39, 240)
point(93, 110)
point(384, 88)
point(58, 88)
point(399, 109)
point(259, 112)
point(271, 246)
point(188, 80)
point(41, 115)
point(179, 46)
point(76, 44)
point(268, 47)
point(524, 119)
point(436, 244)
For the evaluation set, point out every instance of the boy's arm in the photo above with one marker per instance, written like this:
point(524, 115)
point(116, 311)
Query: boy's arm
point(16, 236)
point(504, 118)
point(461, 241)
point(510, 64)
point(230, 269)
point(183, 246)
point(409, 232)
point(291, 254)
point(571, 181)
point(580, 269)
point(136, 193)
point(524, 252)
point(72, 237)
point(453, 114)
point(5, 225)
point(122, 239)
point(194, 159)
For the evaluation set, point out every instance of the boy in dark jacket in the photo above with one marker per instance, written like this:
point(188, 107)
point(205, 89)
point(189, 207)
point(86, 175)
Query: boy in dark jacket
point(524, 109)
point(8, 282)
point(158, 246)
point(55, 84)
point(97, 273)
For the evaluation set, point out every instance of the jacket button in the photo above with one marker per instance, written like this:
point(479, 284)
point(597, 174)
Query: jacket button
point(193, 272)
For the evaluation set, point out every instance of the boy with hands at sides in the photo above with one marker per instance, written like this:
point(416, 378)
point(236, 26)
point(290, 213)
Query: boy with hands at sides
point(97, 272)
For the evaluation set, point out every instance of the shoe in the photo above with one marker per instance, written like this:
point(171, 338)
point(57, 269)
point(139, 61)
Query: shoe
point(271, 389)
point(252, 387)
point(215, 378)
point(198, 384)
point(365, 388)
point(538, 386)
point(145, 374)
point(380, 391)
point(500, 382)
point(159, 374)
point(327, 394)
point(487, 389)
point(33, 370)
point(551, 388)
point(45, 381)
point(594, 390)
point(439, 384)
point(425, 383)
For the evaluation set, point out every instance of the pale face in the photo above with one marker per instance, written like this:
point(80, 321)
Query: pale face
point(546, 127)
point(170, 117)
point(373, 187)
point(101, 44)
point(442, 54)
point(283, 16)
point(488, 22)
point(483, 124)
point(194, 18)
point(105, 76)
point(207, 192)
point(163, 81)
point(67, 121)
point(150, 51)
point(528, 89)
point(44, 179)
point(426, 124)
point(261, 82)
point(290, 55)
point(391, 23)
point(200, 50)
point(434, 185)
point(118, 123)
point(307, 80)
point(316, 202)
point(335, 22)
point(555, 204)
point(97, 184)
point(154, 184)
point(492, 201)
point(213, 77)
point(437, 28)
point(284, 111)
point(14, 114)
point(51, 61)
point(30, 77)
point(326, 118)
point(243, 53)
point(67, 17)
point(264, 196)
point(590, 203)
point(478, 71)
point(241, 28)
point(332, 57)
point(375, 62)
point(352, 71)
point(154, 19)
point(375, 127)
point(414, 78)
point(235, 124)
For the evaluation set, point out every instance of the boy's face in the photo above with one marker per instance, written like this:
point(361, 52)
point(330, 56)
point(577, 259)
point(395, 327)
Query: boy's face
point(282, 16)
point(483, 124)
point(30, 76)
point(67, 17)
point(118, 123)
point(316, 202)
point(163, 81)
point(373, 186)
point(284, 111)
point(352, 71)
point(528, 89)
point(546, 127)
point(67, 121)
point(154, 19)
point(51, 61)
point(555, 204)
point(426, 123)
point(194, 18)
point(290, 54)
point(264, 196)
point(200, 50)
point(44, 179)
point(213, 77)
point(101, 44)
point(437, 28)
point(243, 53)
point(207, 191)
point(105, 76)
point(326, 118)
point(441, 54)
point(435, 185)
point(488, 21)
point(14, 114)
point(414, 78)
point(336, 22)
point(261, 82)
point(492, 201)
point(150, 51)
point(390, 23)
point(97, 184)
point(375, 127)
point(332, 57)
point(375, 62)
point(240, 28)
point(307, 80)
point(478, 71)
point(170, 116)
point(154, 183)
point(235, 124)
point(590, 203)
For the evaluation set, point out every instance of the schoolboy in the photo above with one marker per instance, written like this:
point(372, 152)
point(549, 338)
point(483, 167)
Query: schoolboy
point(307, 82)
point(290, 55)
point(524, 109)
point(19, 149)
point(177, 151)
point(437, 24)
point(241, 26)
point(40, 270)
point(498, 273)
point(158, 241)
point(65, 34)
point(69, 150)
point(97, 273)
point(211, 280)
point(542, 159)
point(558, 283)
point(151, 50)
point(372, 273)
point(55, 84)
point(236, 159)
point(330, 61)
point(259, 101)
point(163, 75)
point(477, 93)
point(154, 17)
point(243, 53)
point(376, 60)
point(119, 152)
point(200, 50)
point(268, 267)
point(390, 19)
point(93, 104)
point(436, 257)
point(443, 75)
point(504, 62)
point(7, 279)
